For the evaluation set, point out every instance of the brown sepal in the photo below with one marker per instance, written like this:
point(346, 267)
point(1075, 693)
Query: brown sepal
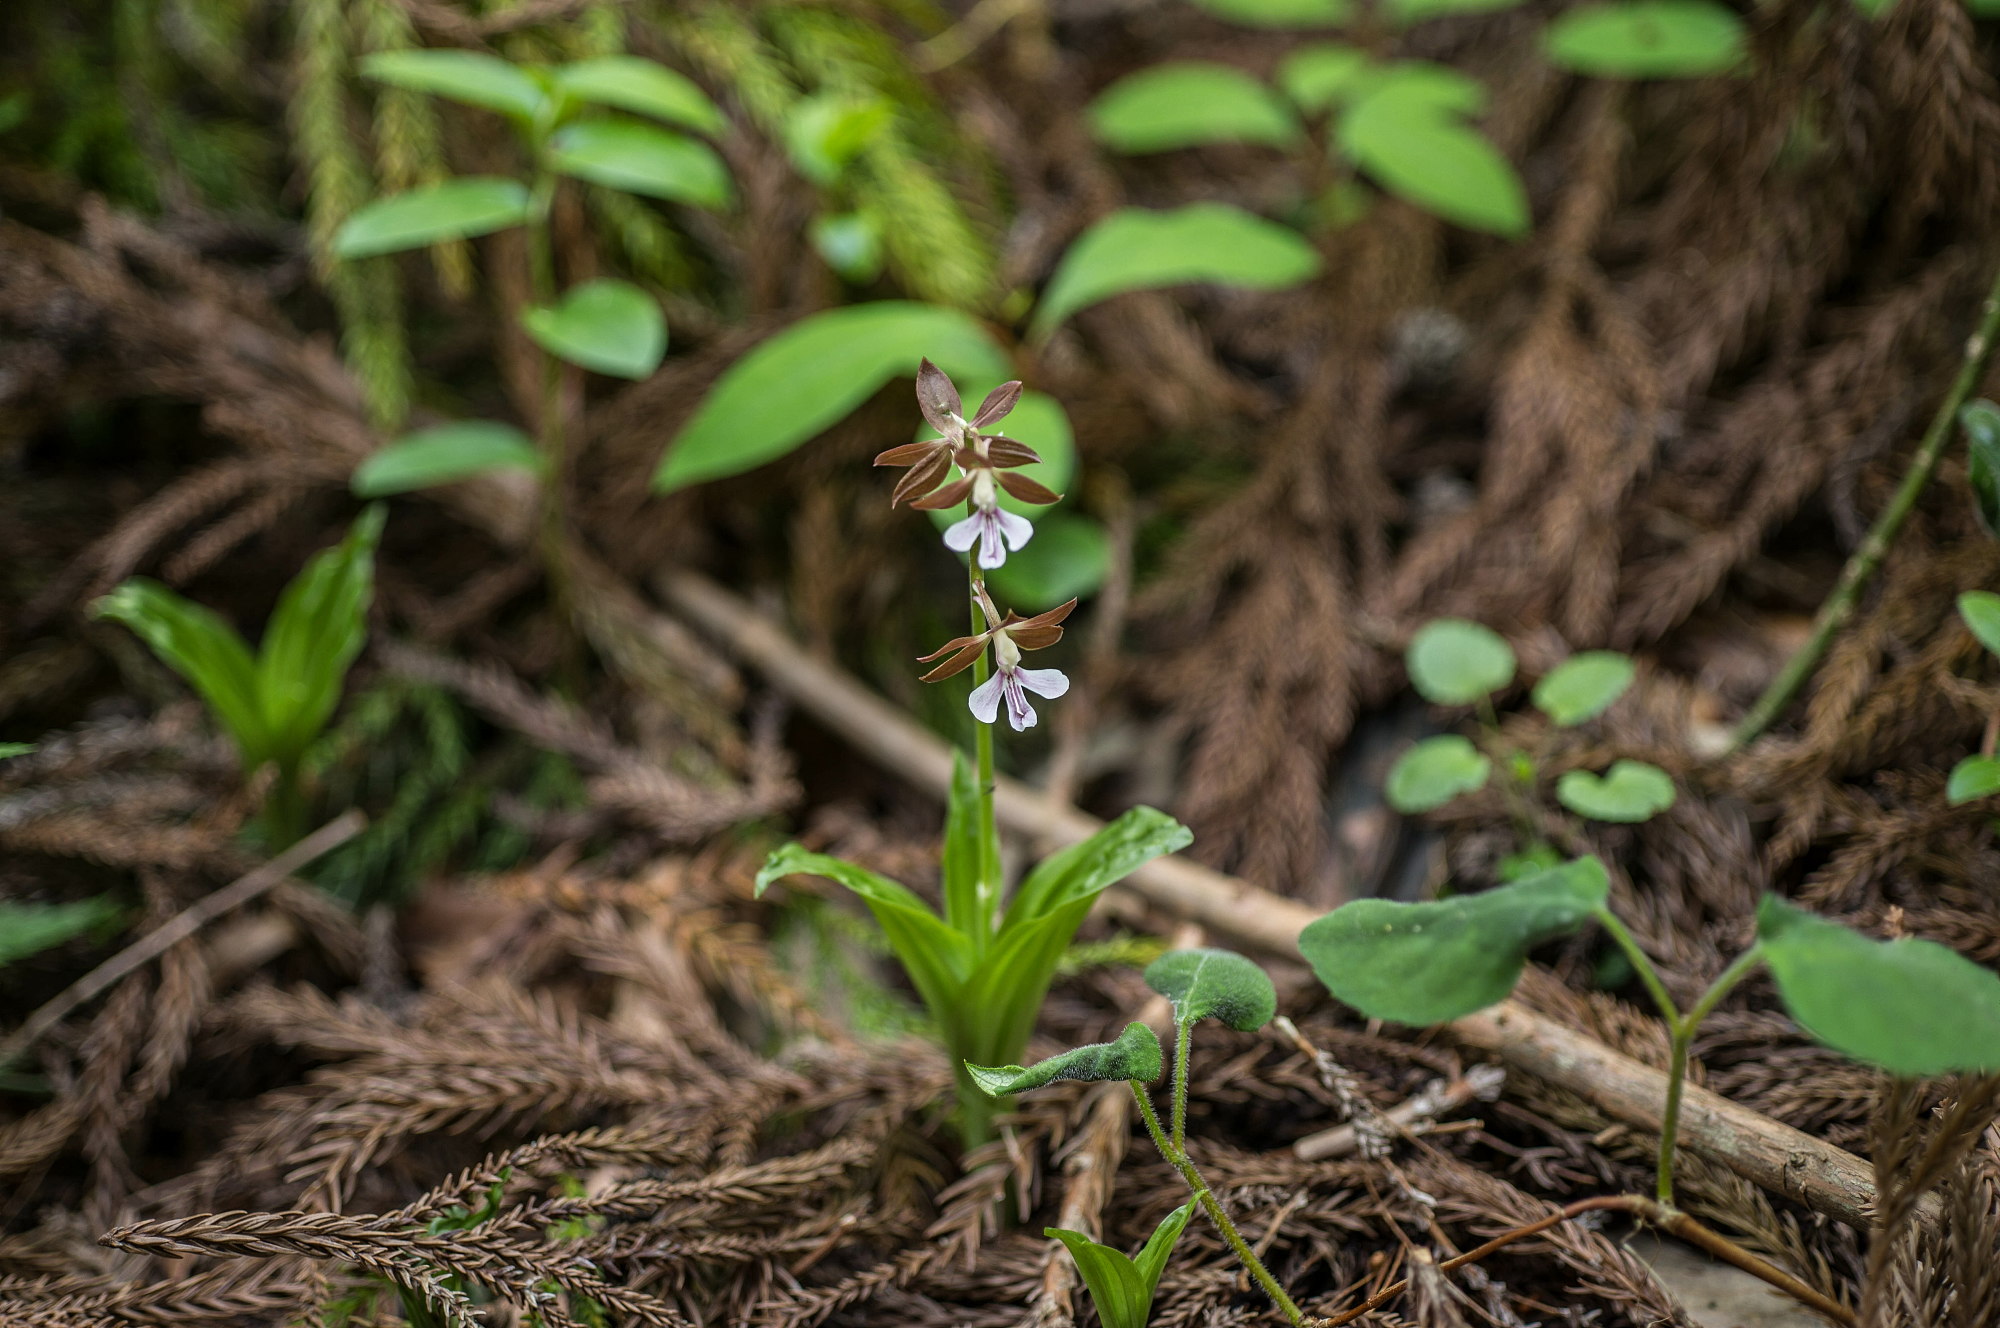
point(1027, 490)
point(951, 495)
point(909, 454)
point(1003, 451)
point(923, 477)
point(936, 397)
point(998, 402)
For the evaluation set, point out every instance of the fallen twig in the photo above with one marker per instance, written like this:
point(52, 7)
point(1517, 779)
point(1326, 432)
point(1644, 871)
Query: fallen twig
point(1416, 1114)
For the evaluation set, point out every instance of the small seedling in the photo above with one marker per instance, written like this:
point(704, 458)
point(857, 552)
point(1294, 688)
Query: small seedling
point(1977, 776)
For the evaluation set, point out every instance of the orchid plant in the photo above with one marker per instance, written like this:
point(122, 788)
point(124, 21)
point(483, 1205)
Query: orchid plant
point(983, 965)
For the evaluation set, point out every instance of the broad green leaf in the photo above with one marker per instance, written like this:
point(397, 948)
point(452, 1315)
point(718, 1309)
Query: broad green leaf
point(1316, 77)
point(1120, 1287)
point(1280, 13)
point(1135, 249)
point(196, 643)
point(1455, 662)
point(796, 383)
point(851, 244)
point(640, 159)
point(451, 210)
point(1219, 984)
point(1135, 1055)
point(965, 910)
point(1911, 1006)
point(1427, 963)
point(1981, 421)
point(1583, 686)
point(1429, 158)
point(465, 76)
point(1434, 772)
point(606, 326)
point(631, 83)
point(1186, 103)
point(1405, 12)
point(1082, 871)
point(824, 133)
point(1973, 778)
point(1038, 420)
point(314, 634)
point(1630, 791)
point(1005, 993)
point(28, 929)
point(446, 453)
point(1068, 558)
point(1647, 39)
point(1980, 610)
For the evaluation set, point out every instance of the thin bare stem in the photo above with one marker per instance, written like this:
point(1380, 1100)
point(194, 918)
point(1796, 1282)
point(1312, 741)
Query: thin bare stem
point(1642, 964)
point(1684, 1028)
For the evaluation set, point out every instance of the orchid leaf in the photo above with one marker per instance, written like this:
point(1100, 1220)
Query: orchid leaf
point(1122, 1288)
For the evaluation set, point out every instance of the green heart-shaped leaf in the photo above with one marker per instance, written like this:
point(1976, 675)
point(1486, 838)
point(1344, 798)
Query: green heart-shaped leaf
point(1630, 791)
point(1427, 963)
point(610, 327)
point(1455, 662)
point(1434, 772)
point(1122, 1288)
point(1981, 421)
point(1583, 686)
point(1135, 1055)
point(1911, 1006)
point(1219, 984)
point(1981, 611)
point(1971, 779)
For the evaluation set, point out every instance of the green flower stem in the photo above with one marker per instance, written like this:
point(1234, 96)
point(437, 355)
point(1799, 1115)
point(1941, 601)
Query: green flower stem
point(1644, 965)
point(1181, 1032)
point(982, 742)
point(1684, 1028)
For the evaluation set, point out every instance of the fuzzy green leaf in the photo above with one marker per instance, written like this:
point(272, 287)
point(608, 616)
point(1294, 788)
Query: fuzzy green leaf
point(1425, 156)
point(607, 326)
point(1911, 1006)
point(443, 454)
point(196, 643)
point(1981, 421)
point(1122, 1288)
point(1647, 39)
point(1068, 558)
point(1187, 103)
point(1629, 792)
point(632, 83)
point(1135, 1055)
point(450, 210)
point(1082, 871)
point(27, 929)
point(1583, 686)
point(1136, 249)
point(1427, 963)
point(1455, 662)
point(1435, 771)
point(1280, 13)
point(314, 635)
point(1980, 609)
point(640, 159)
point(1209, 983)
point(464, 76)
point(1973, 778)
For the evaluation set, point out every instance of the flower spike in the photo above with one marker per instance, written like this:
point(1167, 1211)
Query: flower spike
point(961, 441)
point(1010, 682)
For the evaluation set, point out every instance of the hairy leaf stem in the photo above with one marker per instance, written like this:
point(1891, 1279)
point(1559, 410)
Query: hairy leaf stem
point(1182, 1029)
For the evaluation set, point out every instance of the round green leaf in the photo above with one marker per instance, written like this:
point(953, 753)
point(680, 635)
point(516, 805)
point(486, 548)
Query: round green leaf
point(611, 327)
point(1214, 984)
point(1583, 686)
point(1316, 77)
point(1135, 1055)
point(1280, 13)
point(1423, 156)
point(1186, 103)
point(1068, 558)
point(1981, 422)
point(1434, 772)
point(640, 159)
point(1630, 791)
point(1911, 1006)
point(443, 454)
point(1135, 249)
point(1981, 611)
point(463, 76)
point(451, 210)
point(1426, 963)
point(1456, 662)
point(642, 87)
point(1973, 778)
point(1647, 39)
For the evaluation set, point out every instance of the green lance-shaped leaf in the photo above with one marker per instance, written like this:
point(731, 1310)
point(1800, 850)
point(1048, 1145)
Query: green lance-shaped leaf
point(1973, 778)
point(1136, 249)
point(1911, 1006)
point(1435, 771)
point(1428, 157)
point(1583, 686)
point(1455, 662)
point(28, 929)
point(314, 635)
point(1980, 610)
point(1082, 871)
point(1010, 981)
point(796, 383)
point(1186, 103)
point(450, 210)
point(607, 326)
point(632, 83)
point(1135, 1055)
point(206, 651)
point(464, 76)
point(965, 911)
point(1216, 984)
point(1629, 792)
point(1122, 1288)
point(1280, 13)
point(1981, 421)
point(1427, 963)
point(640, 159)
point(444, 454)
point(1647, 39)
point(1069, 558)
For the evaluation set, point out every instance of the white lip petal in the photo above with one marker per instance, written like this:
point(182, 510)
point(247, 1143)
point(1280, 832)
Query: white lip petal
point(1044, 682)
point(985, 700)
point(1017, 529)
point(992, 553)
point(961, 534)
point(1019, 713)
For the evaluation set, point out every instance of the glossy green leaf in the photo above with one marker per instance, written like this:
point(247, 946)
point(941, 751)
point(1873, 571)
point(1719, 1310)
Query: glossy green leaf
point(796, 383)
point(1980, 611)
point(1038, 420)
point(1406, 12)
point(1911, 1006)
point(1583, 686)
point(314, 635)
point(464, 76)
point(1455, 662)
point(1435, 771)
point(443, 454)
point(966, 911)
point(640, 159)
point(1068, 558)
point(606, 326)
point(1322, 75)
point(206, 651)
point(1427, 963)
point(824, 133)
point(1187, 103)
point(1973, 778)
point(1135, 1055)
point(643, 87)
point(1122, 1288)
point(1083, 870)
point(451, 210)
point(1981, 421)
point(1630, 791)
point(1647, 39)
point(1135, 249)
point(1280, 13)
point(29, 929)
point(1207, 983)
point(1435, 161)
point(851, 244)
